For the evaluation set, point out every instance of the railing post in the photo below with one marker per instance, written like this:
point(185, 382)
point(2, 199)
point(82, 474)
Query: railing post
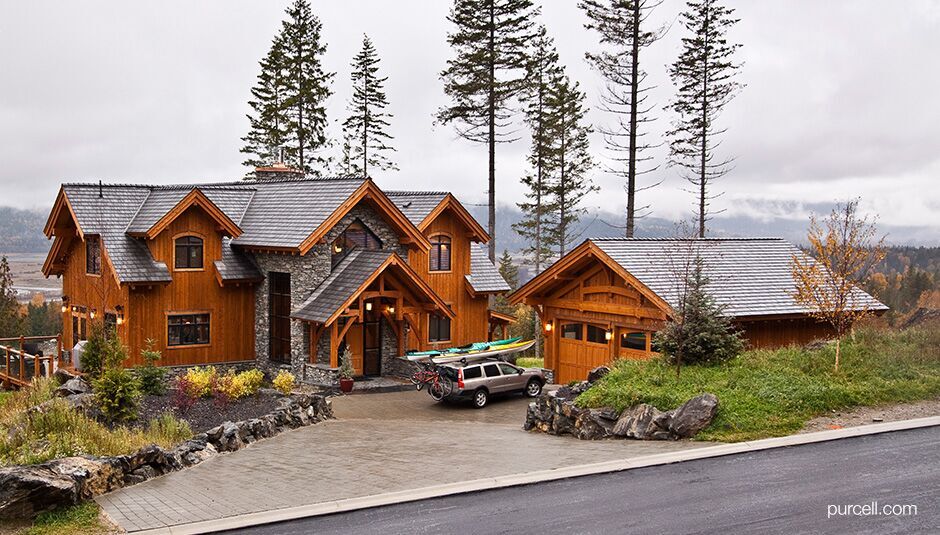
point(58, 350)
point(22, 360)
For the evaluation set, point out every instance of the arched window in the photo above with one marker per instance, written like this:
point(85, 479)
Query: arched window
point(188, 253)
point(440, 253)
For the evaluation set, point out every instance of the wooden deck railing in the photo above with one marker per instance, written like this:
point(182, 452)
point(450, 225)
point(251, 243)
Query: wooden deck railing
point(14, 360)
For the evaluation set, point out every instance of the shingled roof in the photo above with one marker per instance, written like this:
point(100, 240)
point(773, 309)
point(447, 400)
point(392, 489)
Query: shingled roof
point(747, 276)
point(350, 274)
point(484, 277)
point(416, 205)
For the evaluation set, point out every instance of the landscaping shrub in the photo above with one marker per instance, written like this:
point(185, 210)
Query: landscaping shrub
point(223, 389)
point(346, 370)
point(117, 392)
point(152, 378)
point(248, 383)
point(93, 355)
point(185, 394)
point(201, 380)
point(284, 382)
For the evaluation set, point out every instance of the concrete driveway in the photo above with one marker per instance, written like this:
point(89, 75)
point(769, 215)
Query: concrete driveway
point(380, 443)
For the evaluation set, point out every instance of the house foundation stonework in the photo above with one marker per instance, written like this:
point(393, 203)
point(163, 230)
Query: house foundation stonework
point(355, 257)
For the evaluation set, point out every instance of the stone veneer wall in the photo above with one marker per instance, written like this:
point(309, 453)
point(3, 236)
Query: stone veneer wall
point(307, 272)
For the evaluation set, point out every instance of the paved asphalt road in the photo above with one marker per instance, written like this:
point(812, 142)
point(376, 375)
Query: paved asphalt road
point(785, 490)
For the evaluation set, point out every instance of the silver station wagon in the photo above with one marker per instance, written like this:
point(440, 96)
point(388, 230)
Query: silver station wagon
point(477, 381)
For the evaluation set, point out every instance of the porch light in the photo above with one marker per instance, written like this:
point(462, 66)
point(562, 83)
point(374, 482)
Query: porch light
point(337, 248)
point(120, 319)
point(608, 335)
point(391, 309)
point(92, 313)
point(548, 326)
point(368, 306)
point(65, 304)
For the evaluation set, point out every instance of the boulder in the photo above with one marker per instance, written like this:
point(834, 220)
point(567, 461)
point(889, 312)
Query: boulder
point(26, 491)
point(693, 416)
point(63, 375)
point(597, 373)
point(76, 385)
point(595, 424)
point(640, 422)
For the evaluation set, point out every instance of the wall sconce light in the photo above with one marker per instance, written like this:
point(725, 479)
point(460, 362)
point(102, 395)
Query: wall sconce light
point(65, 304)
point(92, 313)
point(391, 309)
point(368, 306)
point(120, 319)
point(608, 335)
point(120, 314)
point(548, 326)
point(337, 248)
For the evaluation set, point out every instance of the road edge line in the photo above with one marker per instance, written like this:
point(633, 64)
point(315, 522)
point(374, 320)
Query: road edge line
point(514, 480)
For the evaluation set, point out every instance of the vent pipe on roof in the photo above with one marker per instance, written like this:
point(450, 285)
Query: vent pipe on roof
point(101, 189)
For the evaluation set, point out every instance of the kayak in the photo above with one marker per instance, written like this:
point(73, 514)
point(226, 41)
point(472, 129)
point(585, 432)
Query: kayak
point(499, 350)
point(477, 346)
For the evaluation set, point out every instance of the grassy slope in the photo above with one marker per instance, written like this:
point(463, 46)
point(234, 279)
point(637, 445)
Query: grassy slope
point(766, 393)
point(529, 362)
point(82, 518)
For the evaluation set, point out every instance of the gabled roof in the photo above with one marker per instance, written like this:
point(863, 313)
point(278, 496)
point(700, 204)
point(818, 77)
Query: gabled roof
point(350, 277)
point(748, 277)
point(423, 207)
point(484, 277)
point(235, 265)
point(154, 216)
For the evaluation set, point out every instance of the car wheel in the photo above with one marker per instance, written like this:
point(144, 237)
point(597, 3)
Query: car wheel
point(480, 397)
point(533, 388)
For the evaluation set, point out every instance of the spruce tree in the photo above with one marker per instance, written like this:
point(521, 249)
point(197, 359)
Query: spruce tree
point(11, 324)
point(508, 270)
point(542, 72)
point(570, 158)
point(704, 78)
point(623, 28)
point(486, 73)
point(368, 120)
point(268, 127)
point(290, 96)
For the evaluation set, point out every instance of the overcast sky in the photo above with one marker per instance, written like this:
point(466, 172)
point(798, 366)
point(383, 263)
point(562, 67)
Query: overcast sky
point(841, 99)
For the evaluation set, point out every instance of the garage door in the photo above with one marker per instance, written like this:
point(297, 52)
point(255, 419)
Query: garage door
point(581, 348)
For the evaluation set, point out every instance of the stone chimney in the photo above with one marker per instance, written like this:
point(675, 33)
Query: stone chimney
point(278, 170)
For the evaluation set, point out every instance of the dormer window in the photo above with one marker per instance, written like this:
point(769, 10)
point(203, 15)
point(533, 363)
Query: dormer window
point(440, 253)
point(189, 251)
point(93, 255)
point(356, 236)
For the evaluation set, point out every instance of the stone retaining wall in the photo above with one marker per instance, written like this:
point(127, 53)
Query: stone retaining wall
point(28, 490)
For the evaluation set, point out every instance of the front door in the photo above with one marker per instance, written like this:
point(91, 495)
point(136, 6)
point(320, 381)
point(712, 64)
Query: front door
point(372, 345)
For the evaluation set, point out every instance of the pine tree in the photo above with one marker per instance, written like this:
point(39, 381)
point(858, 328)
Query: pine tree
point(508, 270)
point(571, 159)
point(484, 76)
point(268, 132)
point(542, 71)
point(367, 124)
point(10, 321)
point(704, 77)
point(290, 96)
point(622, 25)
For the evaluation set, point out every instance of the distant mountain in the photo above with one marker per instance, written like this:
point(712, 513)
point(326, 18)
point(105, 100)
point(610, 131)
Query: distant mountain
point(21, 230)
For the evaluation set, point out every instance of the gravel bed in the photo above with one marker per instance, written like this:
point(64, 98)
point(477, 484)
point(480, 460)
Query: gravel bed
point(206, 414)
point(873, 415)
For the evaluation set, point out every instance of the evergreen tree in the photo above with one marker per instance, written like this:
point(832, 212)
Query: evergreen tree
point(622, 25)
point(368, 121)
point(543, 71)
point(268, 127)
point(570, 159)
point(508, 270)
point(485, 74)
point(704, 77)
point(699, 333)
point(10, 321)
point(290, 96)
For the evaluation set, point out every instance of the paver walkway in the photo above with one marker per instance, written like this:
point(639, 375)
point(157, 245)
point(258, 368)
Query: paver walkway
point(357, 456)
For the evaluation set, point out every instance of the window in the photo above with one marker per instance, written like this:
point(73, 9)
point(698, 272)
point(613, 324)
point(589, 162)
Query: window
point(635, 341)
point(356, 235)
point(440, 253)
point(572, 331)
point(508, 369)
point(188, 252)
point(279, 298)
point(110, 323)
point(438, 328)
point(93, 255)
point(473, 372)
point(596, 335)
point(187, 330)
point(491, 370)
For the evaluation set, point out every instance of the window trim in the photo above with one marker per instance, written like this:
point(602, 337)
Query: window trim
point(450, 329)
point(88, 241)
point(561, 330)
point(450, 252)
point(624, 335)
point(168, 315)
point(190, 235)
point(605, 343)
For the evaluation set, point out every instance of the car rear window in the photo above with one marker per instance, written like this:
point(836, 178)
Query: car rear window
point(491, 370)
point(473, 372)
point(449, 372)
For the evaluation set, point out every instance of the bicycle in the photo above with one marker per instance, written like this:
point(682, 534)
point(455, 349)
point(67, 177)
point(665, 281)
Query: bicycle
point(439, 385)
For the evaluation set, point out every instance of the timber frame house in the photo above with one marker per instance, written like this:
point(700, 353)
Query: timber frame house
point(607, 298)
point(280, 271)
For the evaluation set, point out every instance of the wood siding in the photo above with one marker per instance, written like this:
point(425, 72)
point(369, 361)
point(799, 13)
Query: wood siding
point(772, 333)
point(472, 322)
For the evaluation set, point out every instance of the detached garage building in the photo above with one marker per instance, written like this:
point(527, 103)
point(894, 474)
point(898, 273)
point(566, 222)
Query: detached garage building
point(607, 298)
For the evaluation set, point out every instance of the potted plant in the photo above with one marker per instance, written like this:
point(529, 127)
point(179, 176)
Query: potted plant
point(346, 372)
